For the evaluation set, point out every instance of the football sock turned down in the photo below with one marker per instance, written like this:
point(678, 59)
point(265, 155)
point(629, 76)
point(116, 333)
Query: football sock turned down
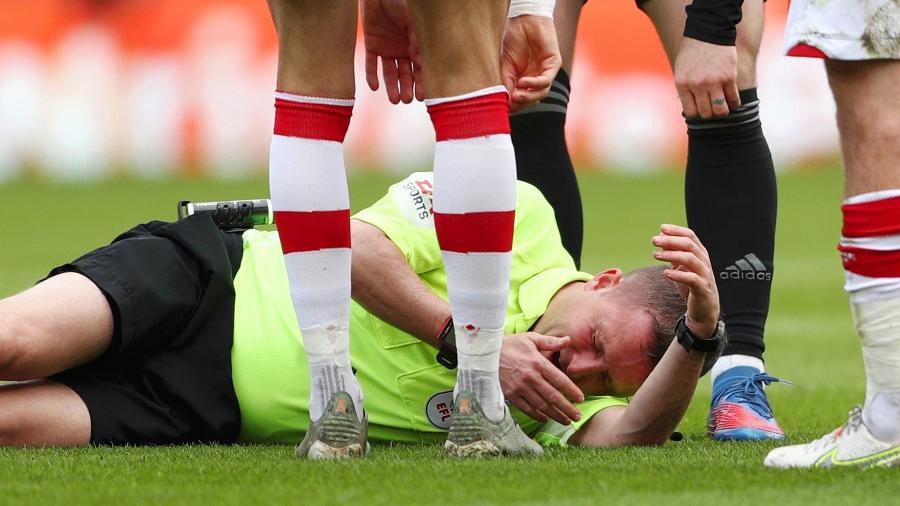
point(542, 159)
point(308, 187)
point(730, 201)
point(870, 250)
point(474, 212)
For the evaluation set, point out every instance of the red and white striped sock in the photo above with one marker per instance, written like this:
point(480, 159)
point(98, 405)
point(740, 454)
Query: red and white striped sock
point(308, 186)
point(870, 250)
point(474, 213)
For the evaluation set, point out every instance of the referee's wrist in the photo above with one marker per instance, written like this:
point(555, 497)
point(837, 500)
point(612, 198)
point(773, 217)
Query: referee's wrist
point(702, 331)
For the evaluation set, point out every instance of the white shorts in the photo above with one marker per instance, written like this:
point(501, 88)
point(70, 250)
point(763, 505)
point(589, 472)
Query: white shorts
point(844, 29)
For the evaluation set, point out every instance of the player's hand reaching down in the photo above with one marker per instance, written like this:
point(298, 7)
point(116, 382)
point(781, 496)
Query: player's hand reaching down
point(388, 35)
point(532, 383)
point(529, 60)
point(692, 271)
point(706, 79)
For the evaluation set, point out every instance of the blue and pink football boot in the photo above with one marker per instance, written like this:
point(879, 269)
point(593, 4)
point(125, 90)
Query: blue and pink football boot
point(740, 410)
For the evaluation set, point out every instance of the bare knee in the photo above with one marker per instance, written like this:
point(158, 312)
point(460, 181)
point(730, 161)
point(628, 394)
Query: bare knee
point(17, 361)
point(315, 35)
point(868, 118)
point(55, 325)
point(459, 43)
point(13, 334)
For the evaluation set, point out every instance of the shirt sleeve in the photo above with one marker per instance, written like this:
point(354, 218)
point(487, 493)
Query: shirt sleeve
point(554, 434)
point(405, 216)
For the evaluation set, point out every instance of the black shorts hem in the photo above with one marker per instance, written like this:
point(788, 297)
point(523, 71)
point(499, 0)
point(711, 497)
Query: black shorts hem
point(165, 378)
point(120, 299)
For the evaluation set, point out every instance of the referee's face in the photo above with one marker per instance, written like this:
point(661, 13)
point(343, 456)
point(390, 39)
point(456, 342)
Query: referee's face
point(607, 356)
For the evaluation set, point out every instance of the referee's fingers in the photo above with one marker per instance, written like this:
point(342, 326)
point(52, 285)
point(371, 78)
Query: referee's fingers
point(558, 404)
point(545, 408)
point(561, 383)
point(528, 409)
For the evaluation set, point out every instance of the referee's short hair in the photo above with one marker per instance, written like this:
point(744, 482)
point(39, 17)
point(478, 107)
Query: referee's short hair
point(649, 289)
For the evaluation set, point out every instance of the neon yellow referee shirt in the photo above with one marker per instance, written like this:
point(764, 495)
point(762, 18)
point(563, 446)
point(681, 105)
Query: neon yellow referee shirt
point(407, 394)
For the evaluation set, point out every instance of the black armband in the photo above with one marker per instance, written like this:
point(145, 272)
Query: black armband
point(713, 21)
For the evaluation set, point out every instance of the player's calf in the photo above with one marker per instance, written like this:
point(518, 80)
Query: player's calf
point(870, 252)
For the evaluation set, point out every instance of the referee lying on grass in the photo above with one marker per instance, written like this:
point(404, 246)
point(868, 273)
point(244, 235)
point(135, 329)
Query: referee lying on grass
point(182, 333)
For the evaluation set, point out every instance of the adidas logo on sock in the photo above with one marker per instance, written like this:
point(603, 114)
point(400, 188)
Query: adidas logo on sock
point(749, 268)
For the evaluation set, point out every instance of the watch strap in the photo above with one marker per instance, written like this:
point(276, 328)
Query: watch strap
point(446, 340)
point(691, 342)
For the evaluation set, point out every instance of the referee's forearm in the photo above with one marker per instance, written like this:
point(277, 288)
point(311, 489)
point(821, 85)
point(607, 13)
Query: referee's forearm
point(660, 403)
point(385, 284)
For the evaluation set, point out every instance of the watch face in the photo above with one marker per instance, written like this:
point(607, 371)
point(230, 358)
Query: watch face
point(450, 337)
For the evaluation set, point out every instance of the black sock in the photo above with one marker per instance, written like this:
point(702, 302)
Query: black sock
point(730, 200)
point(542, 159)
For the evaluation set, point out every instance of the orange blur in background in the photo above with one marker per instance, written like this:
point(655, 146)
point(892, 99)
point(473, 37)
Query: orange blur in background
point(162, 86)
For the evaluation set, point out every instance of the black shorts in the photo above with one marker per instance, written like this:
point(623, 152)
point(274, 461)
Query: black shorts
point(641, 2)
point(166, 376)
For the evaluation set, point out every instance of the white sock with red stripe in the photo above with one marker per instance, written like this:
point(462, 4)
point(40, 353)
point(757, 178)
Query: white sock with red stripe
point(308, 186)
point(870, 249)
point(474, 213)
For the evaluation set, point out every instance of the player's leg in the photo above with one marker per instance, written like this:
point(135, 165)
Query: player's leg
point(60, 323)
point(474, 201)
point(869, 123)
point(730, 201)
point(868, 117)
point(42, 413)
point(538, 135)
point(308, 185)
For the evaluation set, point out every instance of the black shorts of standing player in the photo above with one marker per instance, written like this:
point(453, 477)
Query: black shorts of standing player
point(639, 3)
point(166, 376)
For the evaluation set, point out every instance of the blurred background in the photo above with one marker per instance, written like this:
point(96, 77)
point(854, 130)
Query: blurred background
point(155, 88)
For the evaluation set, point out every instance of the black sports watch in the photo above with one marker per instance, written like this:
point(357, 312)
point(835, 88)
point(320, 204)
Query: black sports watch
point(446, 355)
point(690, 341)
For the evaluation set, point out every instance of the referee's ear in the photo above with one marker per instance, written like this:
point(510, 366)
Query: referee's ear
point(605, 279)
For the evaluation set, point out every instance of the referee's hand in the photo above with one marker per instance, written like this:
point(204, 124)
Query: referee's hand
point(692, 271)
point(532, 383)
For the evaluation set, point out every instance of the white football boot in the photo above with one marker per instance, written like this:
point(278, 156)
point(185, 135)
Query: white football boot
point(851, 445)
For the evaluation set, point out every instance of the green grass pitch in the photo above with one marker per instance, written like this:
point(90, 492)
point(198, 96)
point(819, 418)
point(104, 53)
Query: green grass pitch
point(810, 341)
